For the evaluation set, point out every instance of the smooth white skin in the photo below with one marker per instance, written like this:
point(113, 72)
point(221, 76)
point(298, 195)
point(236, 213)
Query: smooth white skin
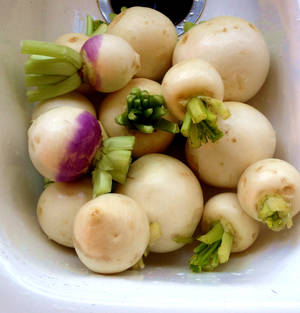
point(151, 34)
point(115, 104)
point(57, 207)
point(75, 41)
point(188, 79)
point(73, 99)
point(235, 47)
point(225, 208)
point(47, 138)
point(117, 63)
point(268, 177)
point(170, 194)
point(248, 137)
point(111, 233)
point(72, 40)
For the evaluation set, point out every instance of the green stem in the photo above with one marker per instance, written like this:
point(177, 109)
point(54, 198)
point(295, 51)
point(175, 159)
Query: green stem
point(225, 247)
point(275, 212)
point(51, 91)
point(155, 232)
point(215, 248)
point(187, 26)
point(197, 110)
point(118, 143)
point(213, 235)
point(89, 25)
point(101, 29)
point(39, 80)
point(49, 67)
point(145, 113)
point(200, 122)
point(50, 49)
point(102, 182)
point(114, 158)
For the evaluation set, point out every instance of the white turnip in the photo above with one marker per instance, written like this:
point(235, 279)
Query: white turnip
point(269, 191)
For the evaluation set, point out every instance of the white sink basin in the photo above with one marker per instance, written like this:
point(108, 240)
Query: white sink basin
point(37, 275)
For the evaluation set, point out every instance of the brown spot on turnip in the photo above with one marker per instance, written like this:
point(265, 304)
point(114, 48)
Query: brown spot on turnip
point(288, 190)
point(116, 235)
point(253, 27)
point(233, 139)
point(236, 27)
point(224, 30)
point(37, 139)
point(222, 163)
point(259, 168)
point(184, 39)
point(254, 235)
point(146, 22)
point(164, 32)
point(244, 181)
point(39, 211)
point(73, 39)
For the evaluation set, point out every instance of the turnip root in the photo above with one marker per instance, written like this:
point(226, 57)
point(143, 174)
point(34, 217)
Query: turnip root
point(62, 143)
point(73, 99)
point(106, 62)
point(227, 228)
point(193, 91)
point(269, 191)
point(57, 207)
point(235, 47)
point(248, 137)
point(111, 233)
point(171, 196)
point(115, 104)
point(151, 34)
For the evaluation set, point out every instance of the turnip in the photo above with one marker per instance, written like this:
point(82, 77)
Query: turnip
point(73, 99)
point(151, 34)
point(62, 143)
point(227, 228)
point(193, 91)
point(111, 233)
point(269, 191)
point(135, 120)
point(237, 50)
point(57, 207)
point(171, 196)
point(106, 62)
point(248, 137)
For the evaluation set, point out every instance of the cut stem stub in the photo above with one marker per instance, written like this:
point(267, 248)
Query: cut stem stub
point(214, 249)
point(275, 212)
point(200, 123)
point(145, 113)
point(112, 162)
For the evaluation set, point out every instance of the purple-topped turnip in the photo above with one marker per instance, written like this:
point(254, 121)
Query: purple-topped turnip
point(62, 143)
point(106, 62)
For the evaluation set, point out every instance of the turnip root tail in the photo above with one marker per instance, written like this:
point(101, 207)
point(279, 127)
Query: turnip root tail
point(214, 249)
point(145, 112)
point(200, 123)
point(275, 212)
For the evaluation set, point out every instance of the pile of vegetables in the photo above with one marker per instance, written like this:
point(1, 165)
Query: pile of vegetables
point(112, 190)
